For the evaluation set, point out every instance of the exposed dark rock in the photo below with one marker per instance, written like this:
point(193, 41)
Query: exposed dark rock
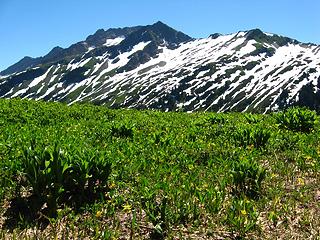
point(259, 36)
point(74, 76)
point(20, 66)
point(215, 35)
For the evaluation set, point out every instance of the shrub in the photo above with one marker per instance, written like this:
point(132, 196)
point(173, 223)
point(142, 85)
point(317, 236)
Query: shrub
point(122, 131)
point(88, 176)
point(56, 178)
point(44, 171)
point(297, 119)
point(247, 177)
point(256, 136)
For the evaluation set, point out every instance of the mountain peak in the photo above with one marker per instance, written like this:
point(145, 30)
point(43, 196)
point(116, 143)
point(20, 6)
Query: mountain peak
point(26, 58)
point(96, 37)
point(159, 23)
point(159, 33)
point(54, 52)
point(99, 31)
point(159, 26)
point(255, 34)
point(23, 64)
point(215, 35)
point(167, 33)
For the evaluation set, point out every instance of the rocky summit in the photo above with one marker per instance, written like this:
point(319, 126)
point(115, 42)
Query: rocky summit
point(158, 67)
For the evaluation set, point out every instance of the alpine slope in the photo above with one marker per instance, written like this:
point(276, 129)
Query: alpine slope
point(158, 67)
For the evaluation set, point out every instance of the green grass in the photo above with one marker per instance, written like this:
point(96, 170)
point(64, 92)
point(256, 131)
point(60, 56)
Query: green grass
point(173, 175)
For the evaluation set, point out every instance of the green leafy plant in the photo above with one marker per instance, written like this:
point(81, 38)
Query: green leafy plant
point(256, 136)
point(88, 176)
point(242, 217)
point(252, 118)
point(122, 131)
point(297, 119)
point(45, 170)
point(247, 177)
point(217, 119)
point(213, 199)
point(156, 212)
point(57, 178)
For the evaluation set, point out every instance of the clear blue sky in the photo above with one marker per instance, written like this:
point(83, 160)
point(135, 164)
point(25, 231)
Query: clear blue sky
point(34, 27)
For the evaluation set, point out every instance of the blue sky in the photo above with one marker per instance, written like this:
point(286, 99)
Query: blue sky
point(34, 27)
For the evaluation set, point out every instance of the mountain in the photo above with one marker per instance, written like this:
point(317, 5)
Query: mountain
point(157, 67)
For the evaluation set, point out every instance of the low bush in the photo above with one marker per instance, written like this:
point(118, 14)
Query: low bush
point(56, 178)
point(247, 177)
point(256, 136)
point(297, 119)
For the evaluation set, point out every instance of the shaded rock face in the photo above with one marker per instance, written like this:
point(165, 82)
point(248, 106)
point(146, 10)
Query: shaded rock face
point(23, 64)
point(158, 67)
point(256, 34)
point(215, 35)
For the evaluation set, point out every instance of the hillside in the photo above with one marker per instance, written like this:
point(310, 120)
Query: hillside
point(157, 67)
point(88, 172)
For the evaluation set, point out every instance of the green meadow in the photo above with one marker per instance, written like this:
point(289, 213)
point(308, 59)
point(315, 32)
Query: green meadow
point(88, 172)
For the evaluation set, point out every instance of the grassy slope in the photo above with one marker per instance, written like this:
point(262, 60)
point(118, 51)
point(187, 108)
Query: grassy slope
point(173, 175)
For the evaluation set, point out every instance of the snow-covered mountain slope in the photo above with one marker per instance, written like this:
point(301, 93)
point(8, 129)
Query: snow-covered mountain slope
point(158, 67)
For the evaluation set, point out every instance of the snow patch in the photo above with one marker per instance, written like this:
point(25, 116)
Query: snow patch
point(37, 80)
point(114, 41)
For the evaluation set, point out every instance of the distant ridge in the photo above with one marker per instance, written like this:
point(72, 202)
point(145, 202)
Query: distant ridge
point(158, 67)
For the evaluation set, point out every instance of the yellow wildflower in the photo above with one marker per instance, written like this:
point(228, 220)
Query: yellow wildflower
point(273, 175)
point(112, 185)
point(308, 158)
point(127, 208)
point(300, 181)
point(191, 167)
point(98, 214)
point(243, 212)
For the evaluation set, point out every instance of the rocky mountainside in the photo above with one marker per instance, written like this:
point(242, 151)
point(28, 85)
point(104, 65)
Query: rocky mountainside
point(158, 67)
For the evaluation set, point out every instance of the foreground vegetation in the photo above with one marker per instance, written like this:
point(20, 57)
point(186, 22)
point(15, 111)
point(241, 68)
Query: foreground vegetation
point(89, 172)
